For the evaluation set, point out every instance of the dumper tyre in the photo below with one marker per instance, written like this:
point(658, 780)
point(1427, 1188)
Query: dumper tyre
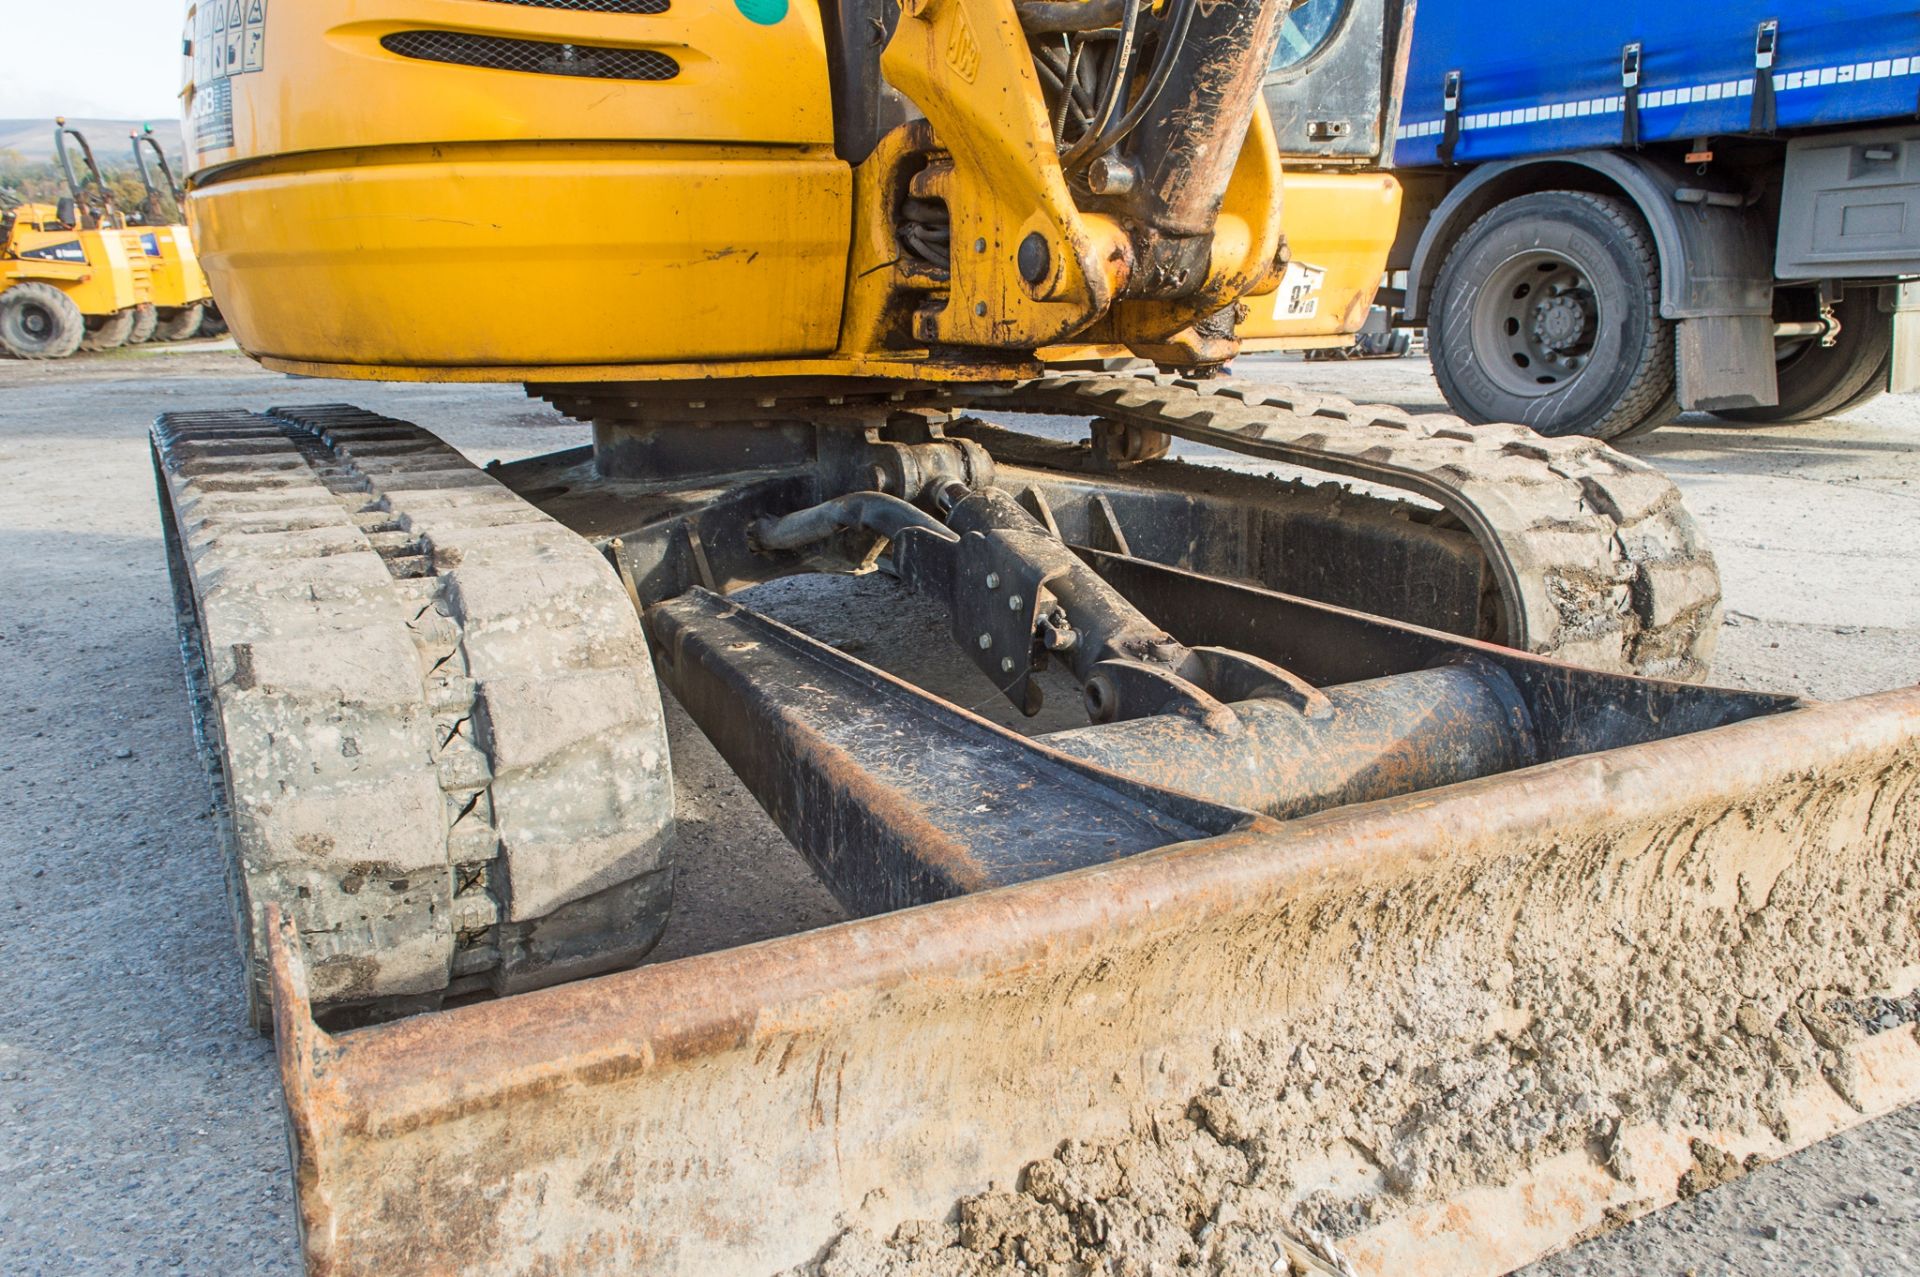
point(108, 332)
point(146, 320)
point(212, 322)
point(38, 321)
point(180, 323)
point(1818, 381)
point(1547, 313)
point(427, 712)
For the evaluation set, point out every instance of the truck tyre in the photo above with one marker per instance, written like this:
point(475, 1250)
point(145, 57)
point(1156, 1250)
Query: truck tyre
point(38, 321)
point(1818, 381)
point(108, 332)
point(1662, 415)
point(1547, 312)
point(146, 318)
point(180, 323)
point(212, 322)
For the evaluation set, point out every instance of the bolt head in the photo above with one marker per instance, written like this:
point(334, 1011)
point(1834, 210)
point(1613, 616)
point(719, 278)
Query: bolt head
point(1006, 665)
point(993, 580)
point(1034, 258)
point(986, 641)
point(1015, 603)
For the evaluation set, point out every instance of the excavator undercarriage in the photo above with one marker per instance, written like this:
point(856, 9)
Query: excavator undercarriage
point(1422, 946)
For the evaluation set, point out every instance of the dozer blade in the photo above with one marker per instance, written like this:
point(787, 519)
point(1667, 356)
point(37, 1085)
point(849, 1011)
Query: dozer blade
point(1452, 1030)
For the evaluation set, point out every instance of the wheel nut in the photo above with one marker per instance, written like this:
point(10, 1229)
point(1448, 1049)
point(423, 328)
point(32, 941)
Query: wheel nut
point(1006, 665)
point(993, 580)
point(1013, 604)
point(986, 641)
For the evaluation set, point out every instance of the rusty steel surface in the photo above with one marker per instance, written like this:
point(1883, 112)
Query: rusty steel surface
point(895, 797)
point(734, 1112)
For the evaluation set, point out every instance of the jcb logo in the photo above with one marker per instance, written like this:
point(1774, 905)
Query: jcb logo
point(963, 52)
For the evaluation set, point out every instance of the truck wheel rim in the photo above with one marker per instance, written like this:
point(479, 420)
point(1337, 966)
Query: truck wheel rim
point(1535, 324)
point(36, 321)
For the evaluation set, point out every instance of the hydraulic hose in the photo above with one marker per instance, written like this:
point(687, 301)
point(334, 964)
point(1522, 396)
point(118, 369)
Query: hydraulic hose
point(1113, 89)
point(875, 511)
point(1164, 59)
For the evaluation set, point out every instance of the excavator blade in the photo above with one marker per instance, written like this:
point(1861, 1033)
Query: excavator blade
point(1444, 1032)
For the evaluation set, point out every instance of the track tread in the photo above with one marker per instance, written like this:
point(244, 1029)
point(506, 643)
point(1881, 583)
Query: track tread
point(416, 748)
point(1608, 569)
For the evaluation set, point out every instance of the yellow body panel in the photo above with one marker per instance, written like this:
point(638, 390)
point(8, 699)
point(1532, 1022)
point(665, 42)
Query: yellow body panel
point(174, 267)
point(317, 78)
point(423, 219)
point(94, 268)
point(1339, 228)
point(402, 257)
point(420, 213)
point(139, 268)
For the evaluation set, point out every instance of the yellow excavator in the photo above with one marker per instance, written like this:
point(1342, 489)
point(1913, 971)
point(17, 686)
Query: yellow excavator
point(1327, 862)
point(180, 292)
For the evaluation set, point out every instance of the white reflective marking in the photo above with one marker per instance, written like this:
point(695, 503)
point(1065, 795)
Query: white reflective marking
point(1783, 82)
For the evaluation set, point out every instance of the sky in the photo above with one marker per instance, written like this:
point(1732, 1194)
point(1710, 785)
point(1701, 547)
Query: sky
point(114, 58)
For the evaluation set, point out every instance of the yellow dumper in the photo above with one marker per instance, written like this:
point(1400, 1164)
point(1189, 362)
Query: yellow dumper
point(69, 279)
point(180, 292)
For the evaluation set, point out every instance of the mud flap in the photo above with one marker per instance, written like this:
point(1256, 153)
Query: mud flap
point(1904, 372)
point(1454, 1030)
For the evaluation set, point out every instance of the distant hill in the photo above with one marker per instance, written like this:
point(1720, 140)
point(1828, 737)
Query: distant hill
point(33, 139)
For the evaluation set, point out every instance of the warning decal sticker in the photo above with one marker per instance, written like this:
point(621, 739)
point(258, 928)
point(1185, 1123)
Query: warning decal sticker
point(229, 39)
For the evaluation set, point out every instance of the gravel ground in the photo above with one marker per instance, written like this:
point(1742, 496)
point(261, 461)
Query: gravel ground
point(139, 1124)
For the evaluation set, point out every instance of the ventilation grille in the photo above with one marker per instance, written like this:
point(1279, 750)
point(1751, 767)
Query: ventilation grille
point(539, 57)
point(596, 6)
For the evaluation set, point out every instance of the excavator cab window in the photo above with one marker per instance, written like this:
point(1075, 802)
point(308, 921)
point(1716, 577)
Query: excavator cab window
point(1308, 29)
point(1330, 79)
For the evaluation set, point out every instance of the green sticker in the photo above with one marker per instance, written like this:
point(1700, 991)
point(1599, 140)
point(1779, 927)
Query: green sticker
point(765, 12)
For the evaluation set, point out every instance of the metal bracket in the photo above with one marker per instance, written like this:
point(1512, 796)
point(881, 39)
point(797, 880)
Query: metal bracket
point(997, 594)
point(1630, 95)
point(1450, 135)
point(1766, 45)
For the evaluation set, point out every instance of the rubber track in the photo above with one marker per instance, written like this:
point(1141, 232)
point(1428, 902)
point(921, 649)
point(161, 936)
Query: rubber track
point(399, 741)
point(1598, 561)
